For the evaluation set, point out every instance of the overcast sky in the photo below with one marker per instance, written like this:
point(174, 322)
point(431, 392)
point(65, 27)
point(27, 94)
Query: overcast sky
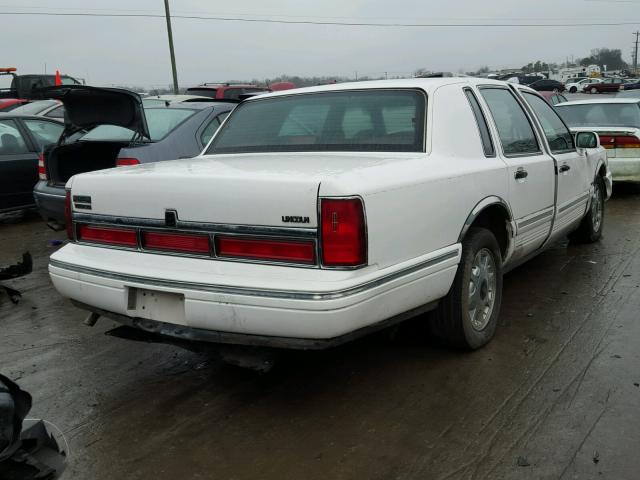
point(134, 51)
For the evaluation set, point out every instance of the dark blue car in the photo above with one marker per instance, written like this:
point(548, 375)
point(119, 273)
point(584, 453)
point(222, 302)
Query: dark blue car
point(108, 127)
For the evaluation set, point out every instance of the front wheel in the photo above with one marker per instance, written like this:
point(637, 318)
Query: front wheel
point(594, 90)
point(573, 90)
point(590, 229)
point(467, 317)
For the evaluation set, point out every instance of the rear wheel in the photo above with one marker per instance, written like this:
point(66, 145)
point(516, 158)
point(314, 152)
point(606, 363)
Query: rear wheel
point(573, 90)
point(467, 317)
point(590, 229)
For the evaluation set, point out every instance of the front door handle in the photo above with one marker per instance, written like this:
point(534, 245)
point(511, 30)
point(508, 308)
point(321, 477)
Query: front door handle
point(521, 174)
point(564, 168)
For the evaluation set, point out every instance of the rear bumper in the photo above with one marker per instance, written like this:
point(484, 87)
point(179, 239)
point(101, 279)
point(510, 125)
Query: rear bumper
point(625, 169)
point(237, 303)
point(50, 201)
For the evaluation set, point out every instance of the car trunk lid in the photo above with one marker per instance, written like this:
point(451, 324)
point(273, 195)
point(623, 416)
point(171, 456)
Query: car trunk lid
point(87, 107)
point(242, 191)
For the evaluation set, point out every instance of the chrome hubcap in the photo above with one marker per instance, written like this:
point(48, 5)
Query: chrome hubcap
point(482, 289)
point(596, 208)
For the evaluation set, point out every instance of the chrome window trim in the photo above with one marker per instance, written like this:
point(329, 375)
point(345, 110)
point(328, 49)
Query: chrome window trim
point(534, 130)
point(494, 154)
point(257, 98)
point(259, 292)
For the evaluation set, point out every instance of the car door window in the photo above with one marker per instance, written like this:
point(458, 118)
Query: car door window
point(485, 136)
point(514, 129)
point(11, 140)
point(45, 133)
point(556, 132)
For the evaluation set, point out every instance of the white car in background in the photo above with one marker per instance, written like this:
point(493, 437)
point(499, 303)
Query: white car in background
point(320, 214)
point(617, 121)
point(577, 86)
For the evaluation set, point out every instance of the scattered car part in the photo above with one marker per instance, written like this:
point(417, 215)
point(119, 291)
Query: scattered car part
point(27, 449)
point(20, 269)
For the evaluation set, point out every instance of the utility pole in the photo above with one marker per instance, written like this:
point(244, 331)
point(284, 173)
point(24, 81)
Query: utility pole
point(173, 56)
point(635, 54)
point(386, 77)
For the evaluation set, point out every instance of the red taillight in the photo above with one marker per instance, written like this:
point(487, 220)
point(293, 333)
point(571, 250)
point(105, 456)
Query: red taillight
point(344, 242)
point(619, 141)
point(178, 242)
point(68, 218)
point(124, 237)
point(42, 171)
point(265, 249)
point(126, 162)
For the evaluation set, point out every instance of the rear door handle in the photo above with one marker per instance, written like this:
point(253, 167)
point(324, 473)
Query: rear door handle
point(520, 174)
point(564, 168)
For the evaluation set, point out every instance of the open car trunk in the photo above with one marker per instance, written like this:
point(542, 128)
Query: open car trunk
point(65, 161)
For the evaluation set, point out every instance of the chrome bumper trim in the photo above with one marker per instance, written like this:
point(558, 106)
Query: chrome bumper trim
point(195, 226)
point(257, 292)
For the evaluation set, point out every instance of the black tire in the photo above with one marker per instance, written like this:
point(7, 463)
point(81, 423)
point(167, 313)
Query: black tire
point(451, 322)
point(592, 225)
point(573, 90)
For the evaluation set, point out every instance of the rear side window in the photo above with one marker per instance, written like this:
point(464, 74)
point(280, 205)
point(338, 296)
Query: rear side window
point(353, 120)
point(558, 135)
point(11, 141)
point(56, 112)
point(211, 128)
point(485, 136)
point(45, 133)
point(514, 129)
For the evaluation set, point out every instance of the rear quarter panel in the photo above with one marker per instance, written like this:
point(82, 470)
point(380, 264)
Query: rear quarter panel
point(419, 203)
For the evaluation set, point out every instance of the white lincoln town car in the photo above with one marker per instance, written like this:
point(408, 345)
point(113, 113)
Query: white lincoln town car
point(320, 214)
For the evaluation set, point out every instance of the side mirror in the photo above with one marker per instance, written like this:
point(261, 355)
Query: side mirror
point(587, 140)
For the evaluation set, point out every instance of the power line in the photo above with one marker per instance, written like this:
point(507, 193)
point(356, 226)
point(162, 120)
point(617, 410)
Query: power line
point(313, 22)
point(282, 15)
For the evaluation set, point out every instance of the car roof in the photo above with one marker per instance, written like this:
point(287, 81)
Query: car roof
point(429, 85)
point(193, 105)
point(10, 114)
point(600, 101)
point(174, 98)
point(227, 85)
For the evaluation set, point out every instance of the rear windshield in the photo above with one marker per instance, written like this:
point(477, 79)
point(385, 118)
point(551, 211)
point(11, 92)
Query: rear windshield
point(601, 115)
point(205, 92)
point(161, 122)
point(35, 108)
point(371, 120)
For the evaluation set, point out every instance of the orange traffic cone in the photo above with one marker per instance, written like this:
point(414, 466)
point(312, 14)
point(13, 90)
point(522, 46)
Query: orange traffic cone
point(58, 79)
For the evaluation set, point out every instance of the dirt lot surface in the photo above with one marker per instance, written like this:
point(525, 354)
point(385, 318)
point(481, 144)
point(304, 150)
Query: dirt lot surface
point(555, 395)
